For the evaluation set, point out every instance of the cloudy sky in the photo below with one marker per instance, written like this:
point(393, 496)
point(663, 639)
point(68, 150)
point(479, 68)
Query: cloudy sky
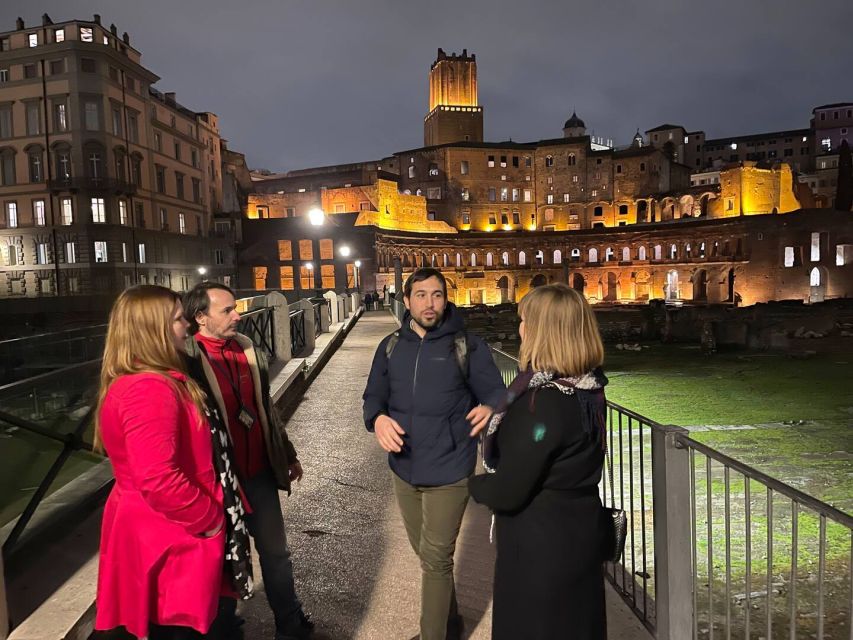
point(300, 83)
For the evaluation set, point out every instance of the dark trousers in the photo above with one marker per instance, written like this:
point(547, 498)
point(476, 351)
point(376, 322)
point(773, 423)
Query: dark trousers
point(266, 526)
point(155, 632)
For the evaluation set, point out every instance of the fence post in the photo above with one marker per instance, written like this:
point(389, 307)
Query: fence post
point(672, 530)
point(334, 310)
point(280, 325)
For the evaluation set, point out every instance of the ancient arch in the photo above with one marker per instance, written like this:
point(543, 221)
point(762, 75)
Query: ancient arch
point(578, 282)
point(611, 285)
point(671, 286)
point(538, 280)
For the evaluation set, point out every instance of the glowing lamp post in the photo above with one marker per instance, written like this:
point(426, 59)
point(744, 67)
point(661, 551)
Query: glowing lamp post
point(355, 273)
point(344, 251)
point(316, 216)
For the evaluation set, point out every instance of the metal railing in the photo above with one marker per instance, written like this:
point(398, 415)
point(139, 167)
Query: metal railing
point(37, 415)
point(398, 309)
point(297, 331)
point(707, 552)
point(28, 356)
point(257, 324)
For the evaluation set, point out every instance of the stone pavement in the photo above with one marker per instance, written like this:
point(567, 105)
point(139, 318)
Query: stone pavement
point(355, 571)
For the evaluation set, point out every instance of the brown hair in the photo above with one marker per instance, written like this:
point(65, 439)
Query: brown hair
point(560, 332)
point(140, 339)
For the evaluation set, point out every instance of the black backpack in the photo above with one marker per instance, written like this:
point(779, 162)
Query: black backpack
point(460, 344)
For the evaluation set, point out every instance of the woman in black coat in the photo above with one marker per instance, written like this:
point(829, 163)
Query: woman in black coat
point(544, 450)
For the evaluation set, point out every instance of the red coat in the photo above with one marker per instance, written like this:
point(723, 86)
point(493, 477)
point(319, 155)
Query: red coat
point(155, 564)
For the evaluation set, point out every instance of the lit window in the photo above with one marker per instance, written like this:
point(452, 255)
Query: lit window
point(826, 143)
point(550, 198)
point(463, 168)
point(11, 215)
point(182, 223)
point(98, 211)
point(67, 212)
point(33, 39)
point(815, 252)
point(789, 257)
point(734, 146)
point(38, 212)
point(100, 251)
point(42, 253)
point(59, 35)
point(86, 34)
point(70, 252)
point(566, 197)
point(141, 253)
point(814, 277)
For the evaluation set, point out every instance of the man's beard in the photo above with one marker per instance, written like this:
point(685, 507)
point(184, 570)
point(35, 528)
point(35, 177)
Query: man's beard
point(435, 322)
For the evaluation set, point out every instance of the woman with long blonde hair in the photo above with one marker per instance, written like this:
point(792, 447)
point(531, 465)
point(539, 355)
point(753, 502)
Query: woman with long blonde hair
point(162, 540)
point(543, 452)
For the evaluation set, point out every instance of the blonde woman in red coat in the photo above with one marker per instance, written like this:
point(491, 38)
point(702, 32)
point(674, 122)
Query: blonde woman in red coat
point(162, 540)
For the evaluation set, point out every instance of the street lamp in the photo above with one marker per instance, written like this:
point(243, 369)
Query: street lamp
point(202, 271)
point(316, 216)
point(344, 251)
point(355, 273)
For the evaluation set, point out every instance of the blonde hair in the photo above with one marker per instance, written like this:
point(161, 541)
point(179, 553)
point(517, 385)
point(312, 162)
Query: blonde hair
point(560, 332)
point(140, 339)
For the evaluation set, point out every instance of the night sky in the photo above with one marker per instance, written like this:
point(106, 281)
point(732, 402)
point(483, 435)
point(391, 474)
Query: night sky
point(300, 83)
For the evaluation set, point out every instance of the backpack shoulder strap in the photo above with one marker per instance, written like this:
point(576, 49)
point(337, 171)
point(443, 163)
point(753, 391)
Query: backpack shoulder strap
point(393, 339)
point(460, 344)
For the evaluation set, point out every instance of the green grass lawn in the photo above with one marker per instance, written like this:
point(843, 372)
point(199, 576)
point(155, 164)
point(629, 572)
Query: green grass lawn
point(678, 385)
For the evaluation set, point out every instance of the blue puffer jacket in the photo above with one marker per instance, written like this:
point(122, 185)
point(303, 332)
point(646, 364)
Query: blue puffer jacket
point(422, 387)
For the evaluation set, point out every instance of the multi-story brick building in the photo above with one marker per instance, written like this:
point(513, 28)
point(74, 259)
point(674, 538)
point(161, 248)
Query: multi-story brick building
point(104, 181)
point(623, 225)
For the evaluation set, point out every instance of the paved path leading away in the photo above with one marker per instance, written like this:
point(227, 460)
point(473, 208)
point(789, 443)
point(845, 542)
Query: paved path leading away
point(355, 571)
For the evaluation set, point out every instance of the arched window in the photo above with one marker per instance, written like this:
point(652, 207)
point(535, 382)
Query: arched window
point(626, 254)
point(558, 256)
point(576, 254)
point(687, 250)
point(505, 258)
point(814, 277)
point(136, 168)
point(62, 161)
point(35, 162)
point(658, 252)
point(489, 259)
point(549, 161)
point(473, 259)
point(94, 162)
point(572, 160)
point(673, 252)
point(458, 260)
point(522, 258)
point(608, 254)
point(641, 253)
point(593, 255)
point(120, 164)
point(539, 257)
point(445, 261)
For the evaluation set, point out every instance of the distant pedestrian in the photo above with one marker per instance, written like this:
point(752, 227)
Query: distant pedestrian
point(430, 392)
point(238, 375)
point(545, 446)
point(377, 301)
point(368, 301)
point(164, 528)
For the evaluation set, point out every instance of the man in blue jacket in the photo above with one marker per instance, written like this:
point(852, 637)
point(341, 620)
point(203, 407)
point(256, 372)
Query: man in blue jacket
point(431, 390)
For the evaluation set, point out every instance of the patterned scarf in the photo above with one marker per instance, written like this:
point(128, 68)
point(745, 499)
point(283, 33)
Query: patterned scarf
point(589, 388)
point(238, 554)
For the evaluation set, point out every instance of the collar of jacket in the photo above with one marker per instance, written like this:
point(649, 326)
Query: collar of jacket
point(195, 350)
point(451, 324)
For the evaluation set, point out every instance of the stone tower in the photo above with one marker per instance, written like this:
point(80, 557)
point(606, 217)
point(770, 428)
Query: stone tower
point(454, 114)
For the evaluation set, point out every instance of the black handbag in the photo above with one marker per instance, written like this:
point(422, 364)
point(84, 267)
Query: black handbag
point(615, 525)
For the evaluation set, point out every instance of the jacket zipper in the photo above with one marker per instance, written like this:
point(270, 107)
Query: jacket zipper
point(415, 378)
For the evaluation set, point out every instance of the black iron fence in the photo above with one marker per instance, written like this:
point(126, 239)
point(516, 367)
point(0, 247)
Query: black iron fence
point(716, 548)
point(297, 331)
point(258, 325)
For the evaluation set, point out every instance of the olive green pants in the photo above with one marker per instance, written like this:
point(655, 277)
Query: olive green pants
point(433, 517)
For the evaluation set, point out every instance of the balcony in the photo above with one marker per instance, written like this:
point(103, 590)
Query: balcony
point(118, 187)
